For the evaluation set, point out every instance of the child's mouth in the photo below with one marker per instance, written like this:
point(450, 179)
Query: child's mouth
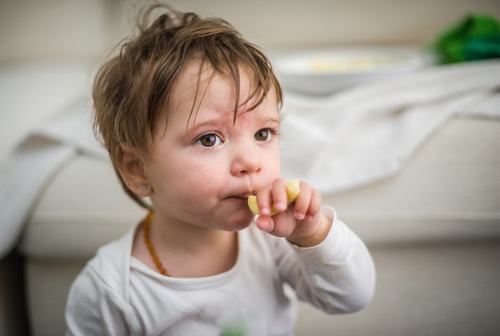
point(239, 197)
point(242, 196)
point(240, 200)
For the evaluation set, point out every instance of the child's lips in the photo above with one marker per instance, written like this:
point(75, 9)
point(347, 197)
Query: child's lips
point(243, 195)
point(237, 202)
point(238, 198)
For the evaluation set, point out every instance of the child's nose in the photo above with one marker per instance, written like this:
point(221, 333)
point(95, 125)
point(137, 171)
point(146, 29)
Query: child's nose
point(246, 162)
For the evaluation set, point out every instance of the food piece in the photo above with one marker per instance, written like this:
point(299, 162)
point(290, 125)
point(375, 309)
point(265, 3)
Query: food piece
point(292, 191)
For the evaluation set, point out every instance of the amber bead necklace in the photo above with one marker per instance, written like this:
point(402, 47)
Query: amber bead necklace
point(146, 224)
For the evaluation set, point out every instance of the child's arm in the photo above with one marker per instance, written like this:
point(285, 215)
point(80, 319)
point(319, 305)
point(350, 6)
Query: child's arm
point(324, 261)
point(336, 276)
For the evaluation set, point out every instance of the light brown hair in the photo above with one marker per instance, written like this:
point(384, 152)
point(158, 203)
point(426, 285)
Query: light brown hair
point(132, 90)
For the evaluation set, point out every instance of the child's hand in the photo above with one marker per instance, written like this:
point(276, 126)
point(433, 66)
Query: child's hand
point(301, 222)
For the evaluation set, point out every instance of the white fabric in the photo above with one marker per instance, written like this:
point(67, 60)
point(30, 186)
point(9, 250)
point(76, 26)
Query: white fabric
point(365, 134)
point(334, 143)
point(34, 160)
point(116, 294)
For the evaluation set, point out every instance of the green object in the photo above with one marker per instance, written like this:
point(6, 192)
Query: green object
point(476, 37)
point(234, 331)
point(235, 328)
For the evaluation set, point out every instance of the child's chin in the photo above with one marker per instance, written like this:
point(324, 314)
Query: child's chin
point(240, 222)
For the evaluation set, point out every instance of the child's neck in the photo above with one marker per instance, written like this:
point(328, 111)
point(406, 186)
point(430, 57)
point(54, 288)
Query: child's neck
point(187, 250)
point(187, 237)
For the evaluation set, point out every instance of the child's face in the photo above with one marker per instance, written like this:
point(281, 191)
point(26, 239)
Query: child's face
point(201, 173)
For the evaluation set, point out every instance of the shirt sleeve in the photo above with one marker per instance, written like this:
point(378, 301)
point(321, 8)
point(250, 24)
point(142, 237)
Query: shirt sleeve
point(336, 276)
point(94, 309)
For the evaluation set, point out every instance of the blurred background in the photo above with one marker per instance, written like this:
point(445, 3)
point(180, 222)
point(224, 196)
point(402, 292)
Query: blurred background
point(57, 30)
point(49, 51)
point(81, 34)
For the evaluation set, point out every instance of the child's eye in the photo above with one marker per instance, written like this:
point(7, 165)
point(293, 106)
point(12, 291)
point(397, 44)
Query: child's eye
point(263, 134)
point(209, 140)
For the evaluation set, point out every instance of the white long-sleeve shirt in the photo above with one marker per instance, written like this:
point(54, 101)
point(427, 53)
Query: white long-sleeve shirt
point(116, 294)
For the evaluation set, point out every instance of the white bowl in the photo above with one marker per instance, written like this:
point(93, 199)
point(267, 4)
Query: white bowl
point(325, 71)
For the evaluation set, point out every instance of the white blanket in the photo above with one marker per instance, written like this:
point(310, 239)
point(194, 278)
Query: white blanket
point(365, 134)
point(335, 143)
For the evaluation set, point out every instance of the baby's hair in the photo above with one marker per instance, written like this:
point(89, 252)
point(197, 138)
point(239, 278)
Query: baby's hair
point(132, 91)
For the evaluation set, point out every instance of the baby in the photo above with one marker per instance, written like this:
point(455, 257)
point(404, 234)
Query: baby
point(190, 114)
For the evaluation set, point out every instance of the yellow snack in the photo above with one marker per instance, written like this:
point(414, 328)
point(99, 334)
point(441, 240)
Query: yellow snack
point(292, 191)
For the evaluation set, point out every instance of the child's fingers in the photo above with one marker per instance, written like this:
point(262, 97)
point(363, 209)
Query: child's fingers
point(302, 202)
point(274, 226)
point(279, 196)
point(265, 223)
point(314, 205)
point(264, 201)
point(284, 225)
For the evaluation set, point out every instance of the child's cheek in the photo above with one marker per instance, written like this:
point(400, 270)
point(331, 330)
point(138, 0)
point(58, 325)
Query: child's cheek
point(199, 180)
point(202, 184)
point(272, 161)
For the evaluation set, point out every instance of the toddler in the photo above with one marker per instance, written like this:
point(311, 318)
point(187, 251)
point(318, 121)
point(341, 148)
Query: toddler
point(189, 112)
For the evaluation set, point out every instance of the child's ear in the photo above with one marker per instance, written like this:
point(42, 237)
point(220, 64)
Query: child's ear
point(132, 170)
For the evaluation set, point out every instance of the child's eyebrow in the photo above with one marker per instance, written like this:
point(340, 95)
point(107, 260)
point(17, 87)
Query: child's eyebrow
point(272, 119)
point(268, 118)
point(194, 128)
point(218, 122)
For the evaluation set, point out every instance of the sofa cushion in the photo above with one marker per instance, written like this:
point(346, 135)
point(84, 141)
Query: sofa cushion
point(448, 190)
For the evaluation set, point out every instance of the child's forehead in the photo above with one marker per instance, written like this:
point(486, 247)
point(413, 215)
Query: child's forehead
point(205, 93)
point(205, 82)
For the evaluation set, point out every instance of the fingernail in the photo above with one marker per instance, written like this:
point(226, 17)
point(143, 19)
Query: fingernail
point(299, 216)
point(280, 206)
point(265, 211)
point(261, 222)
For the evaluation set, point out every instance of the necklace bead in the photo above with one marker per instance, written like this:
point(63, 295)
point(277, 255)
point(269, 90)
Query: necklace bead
point(146, 224)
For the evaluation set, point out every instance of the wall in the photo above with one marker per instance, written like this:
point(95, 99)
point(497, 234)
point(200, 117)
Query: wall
point(72, 29)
